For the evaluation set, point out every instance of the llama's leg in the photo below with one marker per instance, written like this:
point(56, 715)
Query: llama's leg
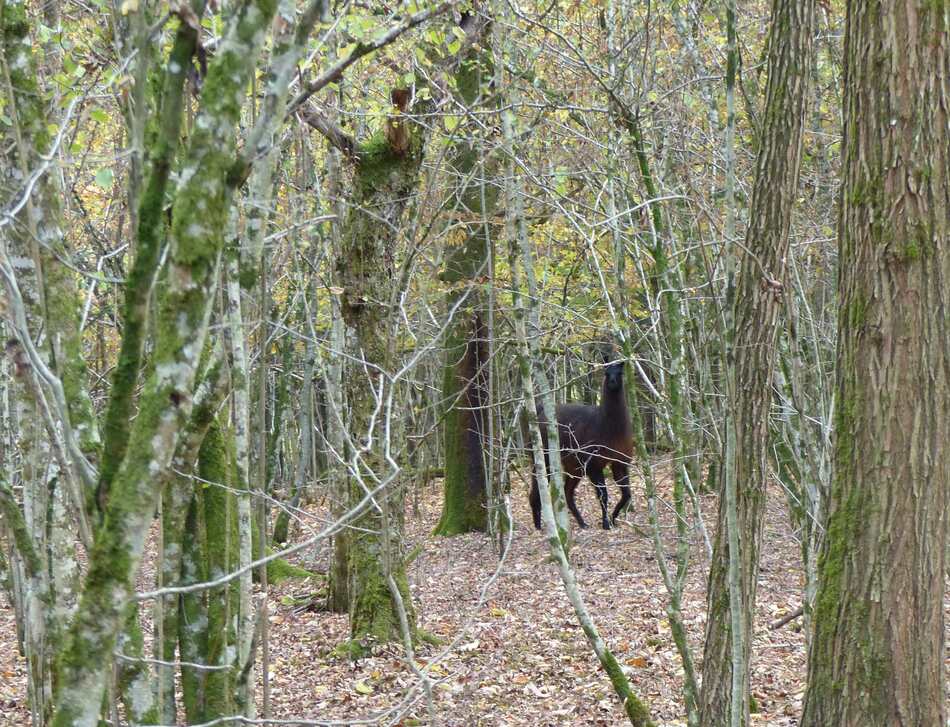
point(600, 485)
point(621, 473)
point(570, 490)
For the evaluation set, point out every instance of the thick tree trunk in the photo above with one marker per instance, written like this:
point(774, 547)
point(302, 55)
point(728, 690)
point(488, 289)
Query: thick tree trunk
point(464, 388)
point(878, 650)
point(387, 170)
point(465, 374)
point(750, 360)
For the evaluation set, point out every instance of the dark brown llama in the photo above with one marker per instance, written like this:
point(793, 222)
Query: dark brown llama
point(592, 438)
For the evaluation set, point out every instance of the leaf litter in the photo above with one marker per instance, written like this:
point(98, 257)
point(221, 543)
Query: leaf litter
point(519, 657)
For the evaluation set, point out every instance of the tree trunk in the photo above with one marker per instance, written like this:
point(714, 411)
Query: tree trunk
point(878, 649)
point(217, 464)
point(750, 360)
point(199, 216)
point(55, 469)
point(465, 374)
point(464, 388)
point(386, 178)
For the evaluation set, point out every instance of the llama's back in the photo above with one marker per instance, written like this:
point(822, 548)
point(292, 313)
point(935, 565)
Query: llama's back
point(579, 432)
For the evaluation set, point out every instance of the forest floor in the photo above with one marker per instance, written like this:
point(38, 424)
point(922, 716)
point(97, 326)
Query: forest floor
point(519, 657)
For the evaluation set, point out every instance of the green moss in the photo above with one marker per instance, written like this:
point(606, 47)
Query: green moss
point(280, 570)
point(351, 649)
point(636, 711)
point(920, 243)
point(855, 311)
point(427, 637)
point(379, 165)
point(841, 538)
point(464, 508)
point(215, 466)
point(192, 637)
point(374, 618)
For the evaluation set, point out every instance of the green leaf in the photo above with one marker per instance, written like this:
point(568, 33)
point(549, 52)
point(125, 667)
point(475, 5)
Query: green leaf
point(99, 115)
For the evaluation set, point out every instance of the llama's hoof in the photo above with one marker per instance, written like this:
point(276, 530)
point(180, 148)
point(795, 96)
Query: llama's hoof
point(583, 525)
point(606, 525)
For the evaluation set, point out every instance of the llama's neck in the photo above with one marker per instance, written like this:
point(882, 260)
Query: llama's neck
point(613, 408)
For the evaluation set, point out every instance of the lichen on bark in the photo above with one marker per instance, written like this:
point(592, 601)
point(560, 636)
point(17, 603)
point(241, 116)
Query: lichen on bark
point(385, 181)
point(199, 215)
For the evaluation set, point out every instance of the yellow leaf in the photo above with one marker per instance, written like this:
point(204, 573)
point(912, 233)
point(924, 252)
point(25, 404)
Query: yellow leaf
point(363, 688)
point(129, 6)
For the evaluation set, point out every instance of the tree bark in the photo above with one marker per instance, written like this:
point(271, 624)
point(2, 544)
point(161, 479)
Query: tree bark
point(386, 178)
point(878, 649)
point(464, 373)
point(53, 474)
point(199, 216)
point(749, 361)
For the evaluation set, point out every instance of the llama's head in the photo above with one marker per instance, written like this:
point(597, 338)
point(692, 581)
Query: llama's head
point(613, 376)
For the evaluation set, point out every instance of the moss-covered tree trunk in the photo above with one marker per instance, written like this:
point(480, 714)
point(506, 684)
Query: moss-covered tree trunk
point(217, 502)
point(338, 578)
point(465, 367)
point(750, 361)
point(333, 368)
point(385, 180)
point(199, 217)
point(192, 634)
point(464, 389)
point(878, 651)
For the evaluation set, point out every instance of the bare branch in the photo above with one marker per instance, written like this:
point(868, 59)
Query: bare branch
point(335, 72)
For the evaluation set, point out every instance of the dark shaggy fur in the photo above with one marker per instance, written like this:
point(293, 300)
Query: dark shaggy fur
point(592, 438)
